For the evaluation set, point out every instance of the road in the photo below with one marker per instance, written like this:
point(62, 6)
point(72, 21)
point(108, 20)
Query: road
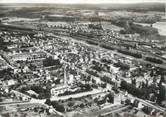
point(7, 62)
point(151, 105)
point(78, 95)
point(116, 110)
point(14, 103)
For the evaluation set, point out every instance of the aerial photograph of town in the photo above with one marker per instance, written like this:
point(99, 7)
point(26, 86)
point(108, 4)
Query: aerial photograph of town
point(83, 59)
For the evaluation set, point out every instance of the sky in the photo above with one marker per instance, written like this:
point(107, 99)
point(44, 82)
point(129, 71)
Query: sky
point(80, 1)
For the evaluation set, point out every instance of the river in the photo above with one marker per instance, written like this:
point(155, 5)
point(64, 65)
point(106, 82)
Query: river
point(161, 26)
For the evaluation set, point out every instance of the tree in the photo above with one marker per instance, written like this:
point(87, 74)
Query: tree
point(50, 62)
point(70, 104)
point(162, 94)
point(104, 85)
point(110, 98)
point(58, 106)
point(88, 78)
point(133, 89)
point(82, 105)
point(93, 81)
point(48, 102)
point(134, 81)
point(123, 84)
point(147, 109)
point(100, 102)
point(87, 87)
point(154, 60)
point(127, 101)
point(135, 103)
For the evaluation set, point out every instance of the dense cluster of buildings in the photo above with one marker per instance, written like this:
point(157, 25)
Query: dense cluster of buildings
point(64, 60)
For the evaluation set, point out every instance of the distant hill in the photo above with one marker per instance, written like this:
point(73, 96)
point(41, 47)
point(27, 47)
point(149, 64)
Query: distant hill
point(35, 10)
point(133, 7)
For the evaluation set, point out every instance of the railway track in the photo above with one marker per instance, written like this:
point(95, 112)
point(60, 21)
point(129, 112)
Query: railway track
point(115, 48)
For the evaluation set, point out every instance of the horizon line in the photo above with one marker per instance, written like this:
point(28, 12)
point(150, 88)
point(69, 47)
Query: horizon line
point(80, 1)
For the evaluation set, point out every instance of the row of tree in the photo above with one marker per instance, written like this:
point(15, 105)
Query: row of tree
point(42, 93)
point(83, 88)
point(122, 66)
point(107, 47)
point(50, 62)
point(145, 91)
point(136, 55)
point(154, 60)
